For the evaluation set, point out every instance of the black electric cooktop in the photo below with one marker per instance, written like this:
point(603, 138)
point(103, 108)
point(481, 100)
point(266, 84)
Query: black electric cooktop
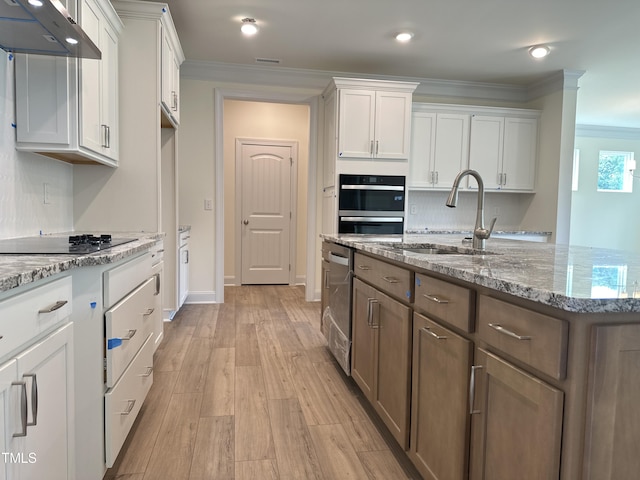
point(72, 245)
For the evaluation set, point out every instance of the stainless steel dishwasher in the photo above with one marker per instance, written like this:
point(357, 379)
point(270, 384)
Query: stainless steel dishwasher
point(336, 317)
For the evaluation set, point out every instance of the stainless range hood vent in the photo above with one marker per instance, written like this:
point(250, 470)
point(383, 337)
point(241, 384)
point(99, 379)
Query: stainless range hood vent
point(43, 27)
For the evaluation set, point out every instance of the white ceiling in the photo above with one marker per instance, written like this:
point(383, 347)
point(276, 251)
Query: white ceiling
point(468, 40)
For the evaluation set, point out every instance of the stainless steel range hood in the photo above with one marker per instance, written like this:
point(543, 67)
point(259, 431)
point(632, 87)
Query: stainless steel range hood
point(43, 27)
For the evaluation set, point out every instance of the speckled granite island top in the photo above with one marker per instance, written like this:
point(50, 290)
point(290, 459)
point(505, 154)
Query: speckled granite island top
point(571, 278)
point(16, 270)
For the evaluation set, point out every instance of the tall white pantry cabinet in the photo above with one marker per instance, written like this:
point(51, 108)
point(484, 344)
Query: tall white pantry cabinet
point(140, 195)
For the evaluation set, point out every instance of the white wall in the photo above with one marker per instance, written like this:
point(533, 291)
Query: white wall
point(604, 219)
point(272, 121)
point(22, 176)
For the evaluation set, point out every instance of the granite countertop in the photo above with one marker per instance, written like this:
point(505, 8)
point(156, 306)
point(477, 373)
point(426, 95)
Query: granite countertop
point(571, 278)
point(440, 231)
point(16, 270)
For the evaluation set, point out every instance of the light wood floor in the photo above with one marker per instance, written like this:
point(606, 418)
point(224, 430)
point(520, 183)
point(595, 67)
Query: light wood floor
point(248, 390)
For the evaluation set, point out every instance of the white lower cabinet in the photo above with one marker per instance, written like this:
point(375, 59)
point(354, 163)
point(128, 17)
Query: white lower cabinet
point(36, 410)
point(183, 270)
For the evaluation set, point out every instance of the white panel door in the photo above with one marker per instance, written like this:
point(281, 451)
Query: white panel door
point(452, 148)
point(520, 152)
point(356, 123)
point(392, 125)
point(486, 150)
point(266, 213)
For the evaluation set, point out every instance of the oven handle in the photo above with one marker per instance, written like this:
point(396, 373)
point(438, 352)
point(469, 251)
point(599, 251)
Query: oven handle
point(386, 188)
point(372, 219)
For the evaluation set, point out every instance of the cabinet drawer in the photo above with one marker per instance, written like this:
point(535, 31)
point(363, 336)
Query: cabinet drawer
point(445, 301)
point(123, 402)
point(131, 320)
point(24, 316)
point(534, 338)
point(122, 279)
point(389, 278)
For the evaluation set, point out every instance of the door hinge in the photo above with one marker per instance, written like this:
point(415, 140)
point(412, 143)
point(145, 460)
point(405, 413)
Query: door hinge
point(290, 217)
point(291, 160)
point(289, 267)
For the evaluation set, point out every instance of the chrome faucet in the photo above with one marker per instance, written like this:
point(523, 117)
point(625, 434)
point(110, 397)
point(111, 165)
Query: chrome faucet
point(480, 233)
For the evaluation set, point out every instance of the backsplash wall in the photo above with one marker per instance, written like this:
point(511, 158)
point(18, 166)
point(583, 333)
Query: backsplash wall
point(432, 213)
point(23, 175)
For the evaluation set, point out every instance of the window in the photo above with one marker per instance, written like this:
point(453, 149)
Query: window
point(614, 173)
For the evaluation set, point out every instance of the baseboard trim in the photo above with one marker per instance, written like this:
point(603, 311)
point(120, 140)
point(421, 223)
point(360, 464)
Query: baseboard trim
point(202, 297)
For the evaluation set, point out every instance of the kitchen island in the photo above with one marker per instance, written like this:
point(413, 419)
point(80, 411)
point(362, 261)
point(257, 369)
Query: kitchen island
point(518, 362)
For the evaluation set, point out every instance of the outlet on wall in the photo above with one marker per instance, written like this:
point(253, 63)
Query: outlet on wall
point(413, 209)
point(208, 204)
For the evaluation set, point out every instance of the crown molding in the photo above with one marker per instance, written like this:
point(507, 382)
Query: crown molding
point(561, 80)
point(602, 131)
point(266, 75)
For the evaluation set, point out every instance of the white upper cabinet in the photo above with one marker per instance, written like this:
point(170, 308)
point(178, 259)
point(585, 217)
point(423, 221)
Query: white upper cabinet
point(374, 124)
point(67, 108)
point(500, 143)
point(172, 58)
point(503, 150)
point(439, 148)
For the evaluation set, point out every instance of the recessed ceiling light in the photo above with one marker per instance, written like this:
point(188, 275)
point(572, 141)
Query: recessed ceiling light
point(249, 26)
point(404, 37)
point(71, 40)
point(539, 51)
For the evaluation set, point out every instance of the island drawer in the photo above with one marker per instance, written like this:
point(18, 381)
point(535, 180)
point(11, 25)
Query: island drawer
point(444, 301)
point(534, 338)
point(394, 280)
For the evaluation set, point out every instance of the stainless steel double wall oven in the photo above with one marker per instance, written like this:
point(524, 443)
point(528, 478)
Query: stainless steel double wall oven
point(372, 204)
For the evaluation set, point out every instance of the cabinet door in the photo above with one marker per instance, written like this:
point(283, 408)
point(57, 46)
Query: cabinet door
point(612, 432)
point(452, 147)
point(520, 153)
point(175, 100)
point(329, 212)
point(356, 123)
point(363, 337)
point(184, 275)
point(110, 95)
point(516, 424)
point(392, 324)
point(49, 365)
point(91, 125)
point(392, 125)
point(439, 418)
point(167, 72)
point(9, 416)
point(486, 150)
point(329, 145)
point(423, 149)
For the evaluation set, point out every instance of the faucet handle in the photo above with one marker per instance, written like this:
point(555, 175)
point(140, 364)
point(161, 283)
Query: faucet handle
point(484, 233)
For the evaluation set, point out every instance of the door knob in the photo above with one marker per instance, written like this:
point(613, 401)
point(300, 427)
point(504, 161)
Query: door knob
point(246, 222)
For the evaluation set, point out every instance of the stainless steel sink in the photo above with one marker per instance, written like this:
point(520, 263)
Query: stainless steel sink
point(434, 251)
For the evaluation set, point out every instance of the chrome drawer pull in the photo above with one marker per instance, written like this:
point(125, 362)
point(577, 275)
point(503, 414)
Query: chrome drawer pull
point(130, 335)
point(508, 333)
point(147, 373)
point(34, 398)
point(370, 303)
point(148, 312)
point(472, 389)
point(390, 279)
point(130, 405)
point(433, 334)
point(52, 308)
point(364, 267)
point(23, 408)
point(434, 298)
